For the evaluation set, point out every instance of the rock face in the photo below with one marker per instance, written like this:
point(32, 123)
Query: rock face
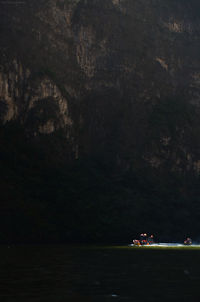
point(20, 98)
point(119, 78)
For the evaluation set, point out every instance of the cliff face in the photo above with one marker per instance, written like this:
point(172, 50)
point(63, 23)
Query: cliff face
point(99, 119)
point(119, 78)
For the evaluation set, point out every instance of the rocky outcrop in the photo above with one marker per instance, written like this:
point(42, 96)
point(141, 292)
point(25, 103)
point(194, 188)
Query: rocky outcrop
point(23, 99)
point(119, 77)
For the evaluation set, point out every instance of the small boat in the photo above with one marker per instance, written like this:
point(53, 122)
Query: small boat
point(188, 241)
point(144, 240)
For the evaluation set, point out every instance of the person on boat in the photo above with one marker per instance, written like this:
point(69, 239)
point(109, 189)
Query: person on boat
point(136, 242)
point(188, 241)
point(143, 239)
point(150, 239)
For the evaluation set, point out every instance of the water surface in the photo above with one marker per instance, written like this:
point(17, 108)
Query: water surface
point(78, 274)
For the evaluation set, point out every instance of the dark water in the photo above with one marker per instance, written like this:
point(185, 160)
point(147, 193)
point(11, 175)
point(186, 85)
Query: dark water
point(65, 274)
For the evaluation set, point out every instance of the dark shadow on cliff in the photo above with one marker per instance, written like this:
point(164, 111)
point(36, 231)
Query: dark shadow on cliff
point(46, 199)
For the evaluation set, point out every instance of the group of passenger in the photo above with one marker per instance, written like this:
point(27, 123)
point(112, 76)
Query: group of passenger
point(187, 241)
point(147, 240)
point(144, 240)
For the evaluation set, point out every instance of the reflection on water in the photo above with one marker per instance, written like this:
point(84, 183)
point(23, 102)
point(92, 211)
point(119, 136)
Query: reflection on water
point(64, 273)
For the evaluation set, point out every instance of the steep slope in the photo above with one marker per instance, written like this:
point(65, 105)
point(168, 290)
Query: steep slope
point(103, 69)
point(112, 86)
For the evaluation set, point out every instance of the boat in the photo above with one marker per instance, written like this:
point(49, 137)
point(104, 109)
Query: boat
point(144, 240)
point(188, 241)
point(149, 241)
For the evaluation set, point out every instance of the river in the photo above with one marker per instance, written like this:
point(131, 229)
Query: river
point(64, 273)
